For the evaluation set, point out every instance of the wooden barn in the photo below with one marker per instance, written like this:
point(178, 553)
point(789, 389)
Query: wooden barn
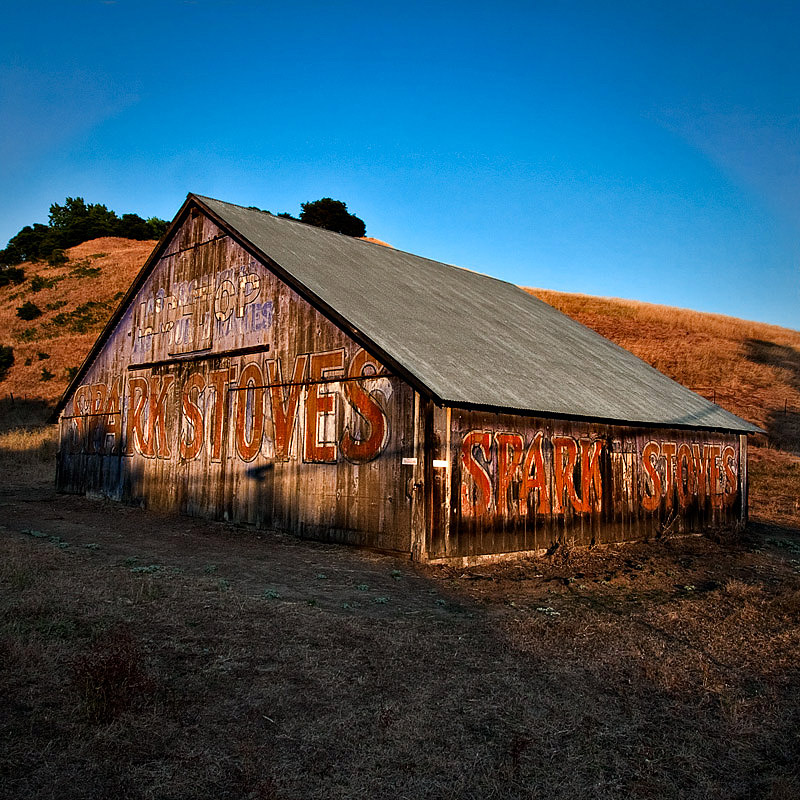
point(267, 372)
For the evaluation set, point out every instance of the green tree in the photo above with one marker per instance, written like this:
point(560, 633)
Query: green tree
point(158, 227)
point(76, 222)
point(30, 244)
point(333, 216)
point(132, 226)
point(72, 223)
point(10, 275)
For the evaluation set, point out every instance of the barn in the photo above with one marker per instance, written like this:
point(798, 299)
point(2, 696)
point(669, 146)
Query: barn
point(270, 373)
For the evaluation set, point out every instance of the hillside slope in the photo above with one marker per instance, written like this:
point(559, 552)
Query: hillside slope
point(749, 368)
point(76, 299)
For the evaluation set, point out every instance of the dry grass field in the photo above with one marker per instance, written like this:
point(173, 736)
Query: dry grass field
point(75, 299)
point(153, 656)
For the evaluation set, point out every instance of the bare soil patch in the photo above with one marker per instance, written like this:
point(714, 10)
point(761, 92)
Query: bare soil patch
point(151, 656)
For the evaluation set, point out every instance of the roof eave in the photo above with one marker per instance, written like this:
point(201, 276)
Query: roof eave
point(114, 319)
point(746, 427)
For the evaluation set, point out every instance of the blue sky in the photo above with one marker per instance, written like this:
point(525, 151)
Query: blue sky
point(617, 149)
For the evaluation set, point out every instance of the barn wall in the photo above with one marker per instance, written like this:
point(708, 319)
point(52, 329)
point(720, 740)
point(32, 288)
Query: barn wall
point(518, 483)
point(223, 393)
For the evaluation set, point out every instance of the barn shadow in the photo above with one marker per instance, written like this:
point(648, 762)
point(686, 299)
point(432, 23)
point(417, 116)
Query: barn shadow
point(783, 428)
point(23, 413)
point(775, 355)
point(782, 423)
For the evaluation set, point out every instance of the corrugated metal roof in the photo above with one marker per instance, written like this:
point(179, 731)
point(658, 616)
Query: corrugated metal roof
point(472, 340)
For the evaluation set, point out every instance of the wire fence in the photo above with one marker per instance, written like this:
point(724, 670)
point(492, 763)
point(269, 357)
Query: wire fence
point(721, 396)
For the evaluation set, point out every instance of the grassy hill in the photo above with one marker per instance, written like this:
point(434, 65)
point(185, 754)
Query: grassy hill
point(750, 368)
point(76, 299)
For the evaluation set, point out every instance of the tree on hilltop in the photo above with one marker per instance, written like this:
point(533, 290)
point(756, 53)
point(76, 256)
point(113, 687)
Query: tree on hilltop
point(73, 223)
point(333, 216)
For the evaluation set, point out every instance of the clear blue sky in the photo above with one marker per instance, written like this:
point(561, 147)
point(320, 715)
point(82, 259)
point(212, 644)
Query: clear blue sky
point(617, 149)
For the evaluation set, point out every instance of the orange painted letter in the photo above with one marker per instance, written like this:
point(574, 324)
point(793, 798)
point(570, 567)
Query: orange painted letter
point(510, 451)
point(250, 408)
point(651, 497)
point(367, 407)
point(319, 404)
point(475, 502)
point(191, 445)
point(684, 475)
point(534, 478)
point(284, 408)
point(701, 469)
point(156, 421)
point(714, 476)
point(731, 479)
point(591, 478)
point(565, 456)
point(668, 452)
point(135, 439)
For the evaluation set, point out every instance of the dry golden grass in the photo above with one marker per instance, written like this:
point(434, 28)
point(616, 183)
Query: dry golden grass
point(751, 368)
point(374, 240)
point(54, 347)
point(27, 453)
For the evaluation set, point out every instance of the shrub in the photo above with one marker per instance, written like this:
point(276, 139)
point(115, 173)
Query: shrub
point(110, 676)
point(43, 356)
point(9, 275)
point(28, 335)
point(57, 258)
point(6, 359)
point(84, 317)
point(46, 374)
point(39, 282)
point(29, 311)
point(84, 269)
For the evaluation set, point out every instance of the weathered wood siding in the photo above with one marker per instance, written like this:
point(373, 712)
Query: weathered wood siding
point(223, 393)
point(502, 483)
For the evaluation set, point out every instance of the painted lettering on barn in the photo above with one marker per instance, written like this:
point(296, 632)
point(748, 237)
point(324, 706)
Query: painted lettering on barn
point(507, 474)
point(323, 409)
point(202, 310)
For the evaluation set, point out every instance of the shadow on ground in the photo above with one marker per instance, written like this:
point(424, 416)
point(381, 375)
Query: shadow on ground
point(261, 666)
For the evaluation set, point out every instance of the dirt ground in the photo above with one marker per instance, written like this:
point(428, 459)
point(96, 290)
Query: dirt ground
point(153, 656)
